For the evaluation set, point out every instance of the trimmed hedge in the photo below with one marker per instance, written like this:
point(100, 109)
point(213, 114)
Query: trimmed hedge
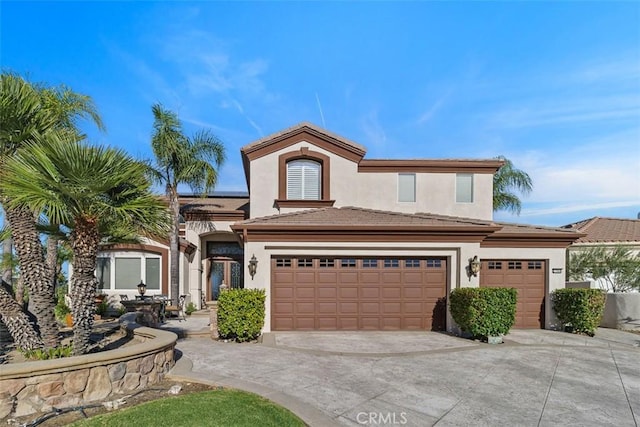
point(581, 309)
point(241, 314)
point(484, 312)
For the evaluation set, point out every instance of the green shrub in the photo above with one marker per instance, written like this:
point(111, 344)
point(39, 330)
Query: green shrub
point(61, 310)
point(102, 308)
point(191, 307)
point(484, 312)
point(241, 314)
point(52, 353)
point(581, 309)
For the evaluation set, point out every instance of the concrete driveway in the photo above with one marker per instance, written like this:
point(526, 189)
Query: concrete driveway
point(421, 379)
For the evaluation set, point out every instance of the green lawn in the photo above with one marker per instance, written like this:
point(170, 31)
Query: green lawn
point(210, 408)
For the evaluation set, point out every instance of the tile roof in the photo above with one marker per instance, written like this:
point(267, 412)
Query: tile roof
point(348, 215)
point(607, 230)
point(213, 204)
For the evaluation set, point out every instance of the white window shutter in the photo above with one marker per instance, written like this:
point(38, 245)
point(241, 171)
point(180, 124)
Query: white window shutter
point(303, 180)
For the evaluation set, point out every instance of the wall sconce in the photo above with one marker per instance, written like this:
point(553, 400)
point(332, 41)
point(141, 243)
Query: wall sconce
point(253, 266)
point(142, 288)
point(474, 266)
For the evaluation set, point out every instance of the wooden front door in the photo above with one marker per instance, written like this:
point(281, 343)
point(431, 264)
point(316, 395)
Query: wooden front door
point(224, 271)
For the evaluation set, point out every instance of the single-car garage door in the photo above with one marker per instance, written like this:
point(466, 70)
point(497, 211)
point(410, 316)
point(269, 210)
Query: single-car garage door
point(528, 277)
point(358, 293)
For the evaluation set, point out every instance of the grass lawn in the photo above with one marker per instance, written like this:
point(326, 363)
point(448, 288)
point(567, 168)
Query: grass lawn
point(210, 408)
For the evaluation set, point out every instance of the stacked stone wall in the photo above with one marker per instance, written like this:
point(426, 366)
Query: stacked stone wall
point(30, 387)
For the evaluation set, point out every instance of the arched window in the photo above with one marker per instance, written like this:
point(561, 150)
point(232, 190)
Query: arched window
point(303, 180)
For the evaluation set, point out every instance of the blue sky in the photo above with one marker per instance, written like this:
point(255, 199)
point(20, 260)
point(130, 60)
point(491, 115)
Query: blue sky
point(554, 86)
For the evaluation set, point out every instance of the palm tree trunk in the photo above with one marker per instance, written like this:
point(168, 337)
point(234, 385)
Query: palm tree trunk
point(33, 271)
point(52, 260)
point(7, 251)
point(174, 242)
point(17, 321)
point(84, 242)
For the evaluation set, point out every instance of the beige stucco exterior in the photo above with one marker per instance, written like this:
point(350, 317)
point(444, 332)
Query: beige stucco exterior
point(435, 192)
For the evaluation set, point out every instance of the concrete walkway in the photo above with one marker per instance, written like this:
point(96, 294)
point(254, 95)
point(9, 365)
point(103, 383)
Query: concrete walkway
point(536, 378)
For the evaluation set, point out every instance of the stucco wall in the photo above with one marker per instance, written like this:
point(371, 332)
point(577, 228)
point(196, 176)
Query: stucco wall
point(435, 192)
point(622, 311)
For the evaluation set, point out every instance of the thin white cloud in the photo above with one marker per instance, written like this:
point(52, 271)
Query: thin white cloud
point(373, 130)
point(433, 109)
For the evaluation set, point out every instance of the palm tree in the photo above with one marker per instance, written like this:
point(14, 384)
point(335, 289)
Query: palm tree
point(29, 111)
point(182, 160)
point(507, 180)
point(81, 187)
point(22, 118)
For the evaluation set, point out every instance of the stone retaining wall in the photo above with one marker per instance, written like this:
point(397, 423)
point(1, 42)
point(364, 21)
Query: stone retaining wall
point(39, 386)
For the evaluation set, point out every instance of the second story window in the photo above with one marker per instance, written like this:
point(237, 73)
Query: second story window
point(464, 188)
point(303, 180)
point(407, 187)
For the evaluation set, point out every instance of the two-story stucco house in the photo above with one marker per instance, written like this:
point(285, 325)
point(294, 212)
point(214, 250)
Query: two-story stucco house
point(348, 243)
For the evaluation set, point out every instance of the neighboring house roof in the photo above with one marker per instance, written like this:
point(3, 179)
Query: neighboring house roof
point(195, 208)
point(607, 230)
point(358, 224)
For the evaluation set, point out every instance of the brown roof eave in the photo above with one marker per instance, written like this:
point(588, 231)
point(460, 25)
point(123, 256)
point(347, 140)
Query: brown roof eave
point(476, 230)
point(524, 240)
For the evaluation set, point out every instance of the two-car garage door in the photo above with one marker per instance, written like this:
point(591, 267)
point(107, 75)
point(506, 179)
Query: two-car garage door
point(358, 293)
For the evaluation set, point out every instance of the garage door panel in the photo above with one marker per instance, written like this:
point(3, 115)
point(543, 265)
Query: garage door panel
point(349, 277)
point(375, 295)
point(370, 292)
point(327, 277)
point(305, 307)
point(348, 307)
point(325, 292)
point(369, 307)
point(348, 292)
point(391, 307)
point(305, 292)
point(327, 308)
point(306, 277)
point(392, 292)
point(413, 292)
point(328, 323)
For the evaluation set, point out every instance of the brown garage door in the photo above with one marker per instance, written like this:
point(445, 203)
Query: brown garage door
point(528, 277)
point(358, 293)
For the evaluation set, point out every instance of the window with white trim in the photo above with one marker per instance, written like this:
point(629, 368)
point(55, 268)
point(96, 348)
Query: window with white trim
point(464, 188)
point(406, 187)
point(124, 270)
point(303, 180)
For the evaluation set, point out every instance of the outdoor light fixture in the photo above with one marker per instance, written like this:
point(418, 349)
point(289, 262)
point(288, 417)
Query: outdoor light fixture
point(253, 266)
point(474, 266)
point(142, 288)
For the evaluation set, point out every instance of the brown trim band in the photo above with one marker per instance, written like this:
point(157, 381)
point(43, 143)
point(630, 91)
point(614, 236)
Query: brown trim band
point(304, 203)
point(307, 134)
point(432, 166)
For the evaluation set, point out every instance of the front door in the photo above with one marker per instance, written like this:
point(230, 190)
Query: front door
point(227, 272)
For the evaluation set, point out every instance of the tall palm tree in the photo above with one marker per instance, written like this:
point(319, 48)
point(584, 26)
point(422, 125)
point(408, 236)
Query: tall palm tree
point(81, 187)
point(506, 182)
point(22, 118)
point(27, 112)
point(180, 159)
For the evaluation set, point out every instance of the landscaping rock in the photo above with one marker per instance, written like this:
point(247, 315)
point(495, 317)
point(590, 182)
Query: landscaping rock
point(98, 384)
point(76, 381)
point(117, 371)
point(50, 389)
